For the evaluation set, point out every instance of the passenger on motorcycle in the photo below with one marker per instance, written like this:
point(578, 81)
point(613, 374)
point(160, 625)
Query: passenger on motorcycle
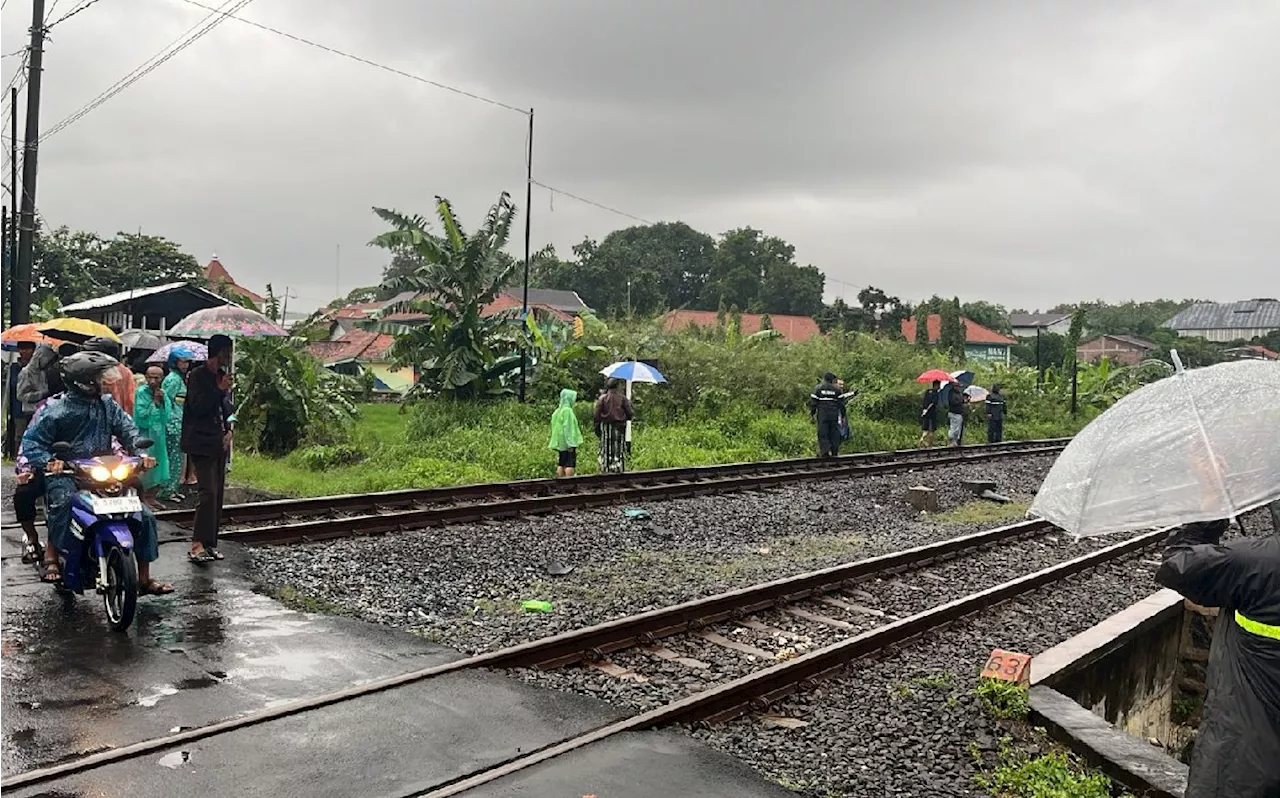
point(87, 420)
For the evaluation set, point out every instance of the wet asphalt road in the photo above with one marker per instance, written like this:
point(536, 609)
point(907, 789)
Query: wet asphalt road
point(216, 649)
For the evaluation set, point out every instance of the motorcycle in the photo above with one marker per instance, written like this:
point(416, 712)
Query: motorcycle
point(106, 513)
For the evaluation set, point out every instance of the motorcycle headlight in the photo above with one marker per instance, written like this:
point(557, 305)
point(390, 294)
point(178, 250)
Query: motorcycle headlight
point(100, 473)
point(122, 472)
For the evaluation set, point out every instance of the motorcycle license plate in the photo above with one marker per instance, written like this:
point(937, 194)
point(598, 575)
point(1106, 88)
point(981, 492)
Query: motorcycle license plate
point(109, 505)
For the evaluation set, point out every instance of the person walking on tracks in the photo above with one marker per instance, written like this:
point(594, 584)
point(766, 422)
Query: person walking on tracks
point(929, 415)
point(956, 400)
point(995, 407)
point(826, 406)
point(1237, 747)
point(206, 441)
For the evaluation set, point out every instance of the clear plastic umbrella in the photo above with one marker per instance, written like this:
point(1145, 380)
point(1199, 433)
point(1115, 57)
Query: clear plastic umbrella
point(1199, 445)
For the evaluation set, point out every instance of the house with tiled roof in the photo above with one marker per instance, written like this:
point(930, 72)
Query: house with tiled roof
point(793, 329)
point(980, 343)
point(215, 275)
point(362, 351)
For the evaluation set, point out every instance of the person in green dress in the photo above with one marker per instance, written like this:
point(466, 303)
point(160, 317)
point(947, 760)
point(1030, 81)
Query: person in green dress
point(151, 410)
point(174, 387)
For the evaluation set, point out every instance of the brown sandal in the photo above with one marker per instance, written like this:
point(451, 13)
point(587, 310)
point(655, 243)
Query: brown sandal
point(52, 573)
point(151, 587)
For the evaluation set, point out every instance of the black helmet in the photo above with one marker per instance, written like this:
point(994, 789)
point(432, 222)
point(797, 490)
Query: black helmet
point(103, 344)
point(80, 371)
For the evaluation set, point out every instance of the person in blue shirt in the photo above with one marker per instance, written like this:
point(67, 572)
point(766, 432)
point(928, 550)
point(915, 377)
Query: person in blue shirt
point(88, 420)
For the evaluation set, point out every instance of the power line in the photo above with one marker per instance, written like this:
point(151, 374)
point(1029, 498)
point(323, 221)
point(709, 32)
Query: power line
point(178, 45)
point(361, 59)
point(70, 13)
point(593, 203)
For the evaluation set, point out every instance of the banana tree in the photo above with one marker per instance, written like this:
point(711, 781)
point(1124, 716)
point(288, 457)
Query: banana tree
point(458, 350)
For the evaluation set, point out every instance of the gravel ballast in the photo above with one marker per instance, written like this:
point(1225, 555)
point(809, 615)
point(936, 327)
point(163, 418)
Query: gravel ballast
point(463, 584)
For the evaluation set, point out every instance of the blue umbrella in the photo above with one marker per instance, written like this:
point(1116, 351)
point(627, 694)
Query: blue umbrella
point(633, 371)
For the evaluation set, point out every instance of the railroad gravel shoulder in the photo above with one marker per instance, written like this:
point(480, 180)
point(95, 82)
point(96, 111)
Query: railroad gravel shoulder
point(908, 723)
point(463, 585)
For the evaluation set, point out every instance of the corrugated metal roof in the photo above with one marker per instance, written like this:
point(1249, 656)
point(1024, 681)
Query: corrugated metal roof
point(1249, 314)
point(1036, 319)
point(124, 296)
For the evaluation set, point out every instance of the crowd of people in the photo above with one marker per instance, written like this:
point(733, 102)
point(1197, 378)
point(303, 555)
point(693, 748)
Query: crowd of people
point(83, 395)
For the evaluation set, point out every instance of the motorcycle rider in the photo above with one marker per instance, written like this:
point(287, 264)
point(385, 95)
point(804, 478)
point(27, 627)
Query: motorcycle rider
point(87, 420)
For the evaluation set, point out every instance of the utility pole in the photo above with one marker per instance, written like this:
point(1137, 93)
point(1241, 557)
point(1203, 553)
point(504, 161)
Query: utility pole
point(27, 219)
point(528, 211)
point(337, 272)
point(11, 233)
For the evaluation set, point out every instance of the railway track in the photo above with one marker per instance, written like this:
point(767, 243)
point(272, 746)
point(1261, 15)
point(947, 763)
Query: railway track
point(303, 520)
point(766, 679)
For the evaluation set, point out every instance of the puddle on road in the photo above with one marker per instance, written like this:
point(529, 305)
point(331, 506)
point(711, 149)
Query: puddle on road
point(162, 691)
point(175, 759)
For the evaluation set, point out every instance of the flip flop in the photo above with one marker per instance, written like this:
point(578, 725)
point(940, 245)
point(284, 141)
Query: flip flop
point(52, 574)
point(154, 588)
point(217, 555)
point(203, 558)
point(32, 553)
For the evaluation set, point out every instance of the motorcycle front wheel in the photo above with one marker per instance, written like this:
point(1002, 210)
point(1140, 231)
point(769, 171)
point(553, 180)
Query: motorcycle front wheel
point(120, 599)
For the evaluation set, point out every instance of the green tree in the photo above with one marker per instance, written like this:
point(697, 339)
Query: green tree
point(951, 336)
point(271, 307)
point(1128, 318)
point(752, 269)
point(988, 314)
point(459, 352)
point(1074, 332)
point(73, 265)
point(287, 396)
point(402, 265)
point(922, 326)
point(883, 313)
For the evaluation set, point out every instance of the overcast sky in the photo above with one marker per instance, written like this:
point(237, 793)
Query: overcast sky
point(1023, 152)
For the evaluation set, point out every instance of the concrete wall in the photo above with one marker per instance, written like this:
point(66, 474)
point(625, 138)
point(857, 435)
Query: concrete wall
point(1133, 687)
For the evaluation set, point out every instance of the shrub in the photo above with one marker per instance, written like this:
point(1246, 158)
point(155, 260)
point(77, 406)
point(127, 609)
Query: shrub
point(321, 458)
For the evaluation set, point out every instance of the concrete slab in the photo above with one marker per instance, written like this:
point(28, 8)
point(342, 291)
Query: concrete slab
point(212, 650)
point(638, 765)
point(216, 649)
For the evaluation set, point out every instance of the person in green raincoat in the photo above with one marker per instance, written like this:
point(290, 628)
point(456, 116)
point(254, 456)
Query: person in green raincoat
point(175, 387)
point(152, 408)
point(566, 435)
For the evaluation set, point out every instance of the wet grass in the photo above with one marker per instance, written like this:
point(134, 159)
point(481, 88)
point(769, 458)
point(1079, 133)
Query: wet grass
point(295, 599)
point(981, 511)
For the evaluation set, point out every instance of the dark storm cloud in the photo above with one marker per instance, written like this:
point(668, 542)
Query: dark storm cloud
point(1026, 152)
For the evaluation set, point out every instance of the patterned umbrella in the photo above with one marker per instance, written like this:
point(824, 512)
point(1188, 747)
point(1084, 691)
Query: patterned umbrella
point(187, 350)
point(230, 320)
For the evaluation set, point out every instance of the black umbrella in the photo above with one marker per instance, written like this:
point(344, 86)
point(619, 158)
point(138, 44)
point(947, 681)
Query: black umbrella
point(141, 339)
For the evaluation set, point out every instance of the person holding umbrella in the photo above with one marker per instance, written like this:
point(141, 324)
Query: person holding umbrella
point(613, 411)
point(206, 439)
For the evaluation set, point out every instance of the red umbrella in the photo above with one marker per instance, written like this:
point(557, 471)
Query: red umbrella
point(935, 374)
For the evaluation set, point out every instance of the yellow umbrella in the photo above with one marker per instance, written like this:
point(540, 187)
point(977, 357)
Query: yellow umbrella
point(76, 330)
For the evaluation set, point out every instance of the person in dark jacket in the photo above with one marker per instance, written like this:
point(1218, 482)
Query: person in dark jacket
point(18, 415)
point(956, 400)
point(826, 406)
point(995, 407)
point(929, 415)
point(1237, 747)
point(206, 441)
point(613, 411)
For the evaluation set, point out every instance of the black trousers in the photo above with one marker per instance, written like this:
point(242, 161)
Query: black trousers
point(211, 477)
point(828, 437)
point(26, 496)
point(995, 430)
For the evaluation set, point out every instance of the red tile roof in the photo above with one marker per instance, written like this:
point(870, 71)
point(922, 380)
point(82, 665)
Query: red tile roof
point(792, 328)
point(974, 333)
point(215, 272)
point(355, 345)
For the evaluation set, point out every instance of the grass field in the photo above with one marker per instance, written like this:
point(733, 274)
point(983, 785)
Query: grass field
point(441, 443)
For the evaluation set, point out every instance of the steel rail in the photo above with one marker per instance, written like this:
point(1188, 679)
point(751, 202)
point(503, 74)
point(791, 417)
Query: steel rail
point(563, 648)
point(283, 508)
point(758, 689)
point(400, 520)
